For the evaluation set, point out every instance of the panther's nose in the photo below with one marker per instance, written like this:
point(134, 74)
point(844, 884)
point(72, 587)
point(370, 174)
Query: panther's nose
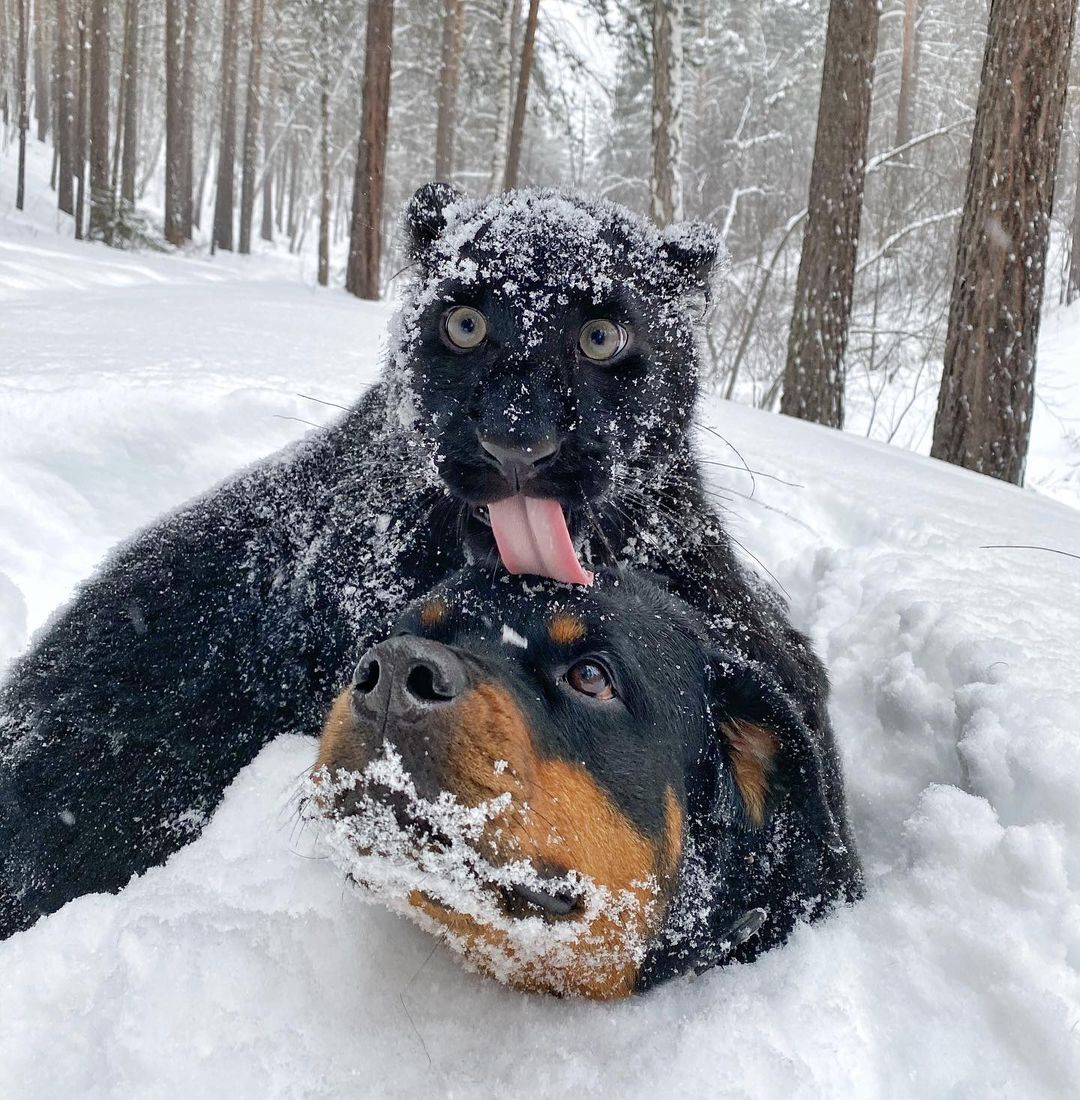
point(404, 676)
point(522, 462)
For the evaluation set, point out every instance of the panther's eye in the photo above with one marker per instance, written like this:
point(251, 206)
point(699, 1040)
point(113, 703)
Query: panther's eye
point(591, 678)
point(601, 339)
point(465, 327)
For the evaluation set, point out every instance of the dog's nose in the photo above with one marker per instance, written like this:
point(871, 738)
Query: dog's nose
point(521, 462)
point(405, 675)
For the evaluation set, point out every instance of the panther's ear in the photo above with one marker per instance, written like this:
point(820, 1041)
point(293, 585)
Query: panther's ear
point(698, 254)
point(771, 756)
point(425, 216)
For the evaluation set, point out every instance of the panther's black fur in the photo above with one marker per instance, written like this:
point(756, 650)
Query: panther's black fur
point(237, 617)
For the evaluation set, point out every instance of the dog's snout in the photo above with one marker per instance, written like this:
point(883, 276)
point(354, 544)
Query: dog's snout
point(519, 463)
point(405, 674)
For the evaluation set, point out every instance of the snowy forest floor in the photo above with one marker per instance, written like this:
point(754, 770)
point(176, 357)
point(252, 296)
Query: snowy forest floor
point(245, 968)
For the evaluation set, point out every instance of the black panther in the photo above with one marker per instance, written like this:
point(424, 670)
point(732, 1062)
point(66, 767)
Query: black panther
point(538, 396)
point(585, 791)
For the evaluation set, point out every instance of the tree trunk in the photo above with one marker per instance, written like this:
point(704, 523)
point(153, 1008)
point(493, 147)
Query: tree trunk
point(100, 191)
point(223, 199)
point(5, 64)
point(987, 389)
point(905, 105)
point(65, 119)
point(324, 181)
point(187, 120)
point(814, 374)
point(174, 134)
point(1073, 290)
point(517, 131)
point(504, 73)
point(41, 72)
point(667, 53)
point(82, 116)
point(266, 230)
point(365, 243)
point(251, 128)
point(199, 201)
point(453, 37)
point(129, 162)
point(22, 47)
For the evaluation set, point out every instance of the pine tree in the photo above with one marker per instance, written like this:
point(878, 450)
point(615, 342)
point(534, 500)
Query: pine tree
point(987, 390)
point(226, 168)
point(1073, 290)
point(667, 52)
point(101, 207)
point(453, 31)
point(521, 102)
point(814, 374)
point(175, 232)
point(251, 127)
point(22, 47)
point(65, 108)
point(365, 238)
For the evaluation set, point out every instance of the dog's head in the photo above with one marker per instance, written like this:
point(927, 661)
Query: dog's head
point(548, 342)
point(569, 784)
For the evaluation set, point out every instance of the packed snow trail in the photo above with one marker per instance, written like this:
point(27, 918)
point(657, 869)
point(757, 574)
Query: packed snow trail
point(245, 968)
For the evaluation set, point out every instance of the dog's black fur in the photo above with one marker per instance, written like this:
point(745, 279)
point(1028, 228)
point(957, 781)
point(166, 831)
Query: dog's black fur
point(236, 618)
point(674, 709)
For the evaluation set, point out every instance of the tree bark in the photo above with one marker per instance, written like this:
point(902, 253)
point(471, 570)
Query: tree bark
point(667, 55)
point(266, 230)
point(814, 374)
point(100, 191)
point(130, 157)
point(365, 238)
point(223, 199)
point(22, 47)
point(82, 116)
point(504, 73)
point(174, 133)
point(6, 65)
point(905, 104)
point(41, 72)
point(517, 130)
point(251, 128)
point(1072, 292)
point(65, 119)
point(324, 180)
point(453, 37)
point(187, 120)
point(987, 390)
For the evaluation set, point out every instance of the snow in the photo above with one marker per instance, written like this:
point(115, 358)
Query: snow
point(246, 967)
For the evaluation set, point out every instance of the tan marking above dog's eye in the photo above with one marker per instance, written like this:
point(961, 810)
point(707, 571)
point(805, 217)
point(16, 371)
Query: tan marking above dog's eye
point(565, 629)
point(591, 678)
point(433, 612)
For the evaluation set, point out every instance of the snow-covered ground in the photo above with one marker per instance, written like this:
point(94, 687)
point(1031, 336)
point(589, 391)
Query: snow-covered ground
point(245, 968)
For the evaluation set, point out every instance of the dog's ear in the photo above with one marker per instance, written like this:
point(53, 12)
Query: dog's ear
point(425, 217)
point(698, 254)
point(770, 757)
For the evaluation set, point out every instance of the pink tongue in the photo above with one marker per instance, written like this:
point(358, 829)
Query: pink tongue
point(533, 538)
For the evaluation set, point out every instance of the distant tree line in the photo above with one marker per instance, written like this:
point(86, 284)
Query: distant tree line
point(884, 171)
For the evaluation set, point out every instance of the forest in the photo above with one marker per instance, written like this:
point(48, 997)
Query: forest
point(854, 154)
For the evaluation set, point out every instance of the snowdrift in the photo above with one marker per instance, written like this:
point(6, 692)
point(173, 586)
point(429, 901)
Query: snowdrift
point(245, 966)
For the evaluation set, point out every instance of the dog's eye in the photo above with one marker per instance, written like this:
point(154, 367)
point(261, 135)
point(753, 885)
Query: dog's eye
point(601, 339)
point(590, 678)
point(465, 327)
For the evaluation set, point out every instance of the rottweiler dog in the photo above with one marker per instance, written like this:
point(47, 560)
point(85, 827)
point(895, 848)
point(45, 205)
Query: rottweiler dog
point(585, 791)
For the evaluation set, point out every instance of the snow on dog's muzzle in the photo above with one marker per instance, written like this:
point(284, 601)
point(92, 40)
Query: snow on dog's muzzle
point(443, 810)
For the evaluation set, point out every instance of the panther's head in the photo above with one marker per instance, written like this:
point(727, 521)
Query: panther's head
point(548, 342)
